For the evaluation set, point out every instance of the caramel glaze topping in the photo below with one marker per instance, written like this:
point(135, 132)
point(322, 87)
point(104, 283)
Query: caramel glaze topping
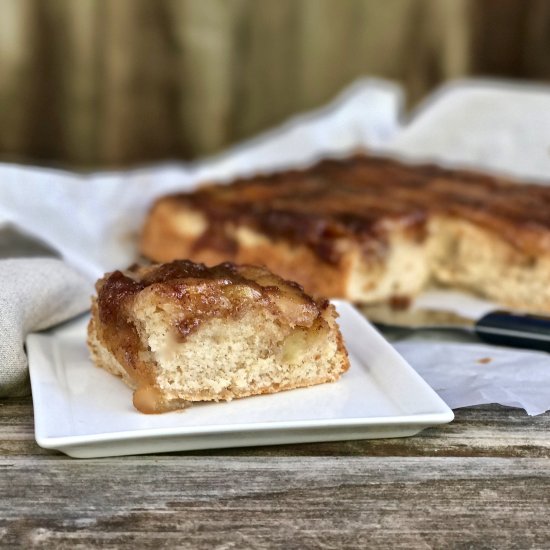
point(192, 293)
point(364, 197)
point(197, 292)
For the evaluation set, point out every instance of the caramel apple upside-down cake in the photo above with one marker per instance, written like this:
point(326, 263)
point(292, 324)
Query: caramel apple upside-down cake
point(369, 229)
point(181, 332)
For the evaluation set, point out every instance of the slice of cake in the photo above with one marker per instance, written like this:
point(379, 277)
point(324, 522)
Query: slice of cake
point(369, 230)
point(181, 332)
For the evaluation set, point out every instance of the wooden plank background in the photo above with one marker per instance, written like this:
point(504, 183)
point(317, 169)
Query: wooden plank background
point(106, 83)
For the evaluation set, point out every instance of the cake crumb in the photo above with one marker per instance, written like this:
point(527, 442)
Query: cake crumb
point(484, 360)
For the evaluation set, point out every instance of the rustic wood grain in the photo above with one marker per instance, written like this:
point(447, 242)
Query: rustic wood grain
point(295, 502)
point(481, 482)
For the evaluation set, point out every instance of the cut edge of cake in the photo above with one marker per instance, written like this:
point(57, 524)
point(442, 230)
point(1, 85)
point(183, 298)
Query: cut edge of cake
point(266, 336)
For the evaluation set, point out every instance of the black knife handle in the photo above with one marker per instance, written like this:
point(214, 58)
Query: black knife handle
point(515, 330)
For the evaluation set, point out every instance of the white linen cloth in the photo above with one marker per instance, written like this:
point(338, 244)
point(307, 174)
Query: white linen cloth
point(497, 125)
point(92, 221)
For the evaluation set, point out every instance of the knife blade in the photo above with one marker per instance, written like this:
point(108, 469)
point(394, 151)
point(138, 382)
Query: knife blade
point(503, 328)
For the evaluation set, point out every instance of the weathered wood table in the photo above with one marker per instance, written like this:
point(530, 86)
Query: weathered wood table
point(481, 482)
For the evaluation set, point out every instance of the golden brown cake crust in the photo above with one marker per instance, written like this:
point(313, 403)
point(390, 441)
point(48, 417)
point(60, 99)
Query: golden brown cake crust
point(339, 221)
point(362, 198)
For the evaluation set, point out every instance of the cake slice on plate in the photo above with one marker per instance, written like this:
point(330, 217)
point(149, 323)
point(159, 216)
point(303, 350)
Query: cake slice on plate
point(182, 332)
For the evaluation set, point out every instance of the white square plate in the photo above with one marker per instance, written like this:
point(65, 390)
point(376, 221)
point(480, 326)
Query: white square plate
point(86, 412)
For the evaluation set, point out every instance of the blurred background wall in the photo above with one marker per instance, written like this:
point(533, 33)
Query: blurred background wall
point(103, 83)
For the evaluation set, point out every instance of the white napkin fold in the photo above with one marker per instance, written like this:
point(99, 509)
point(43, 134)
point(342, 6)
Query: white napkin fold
point(34, 294)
